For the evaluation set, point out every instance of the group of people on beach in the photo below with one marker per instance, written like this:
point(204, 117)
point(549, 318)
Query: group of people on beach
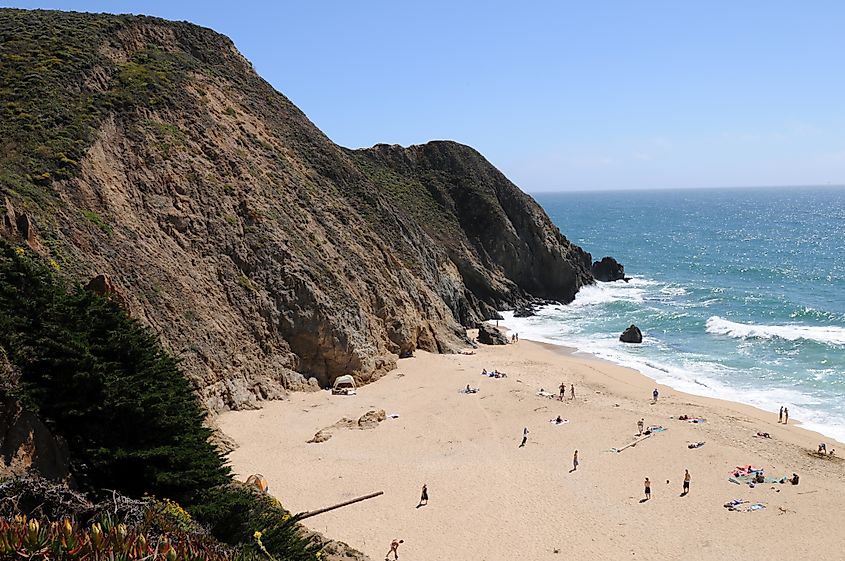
point(783, 417)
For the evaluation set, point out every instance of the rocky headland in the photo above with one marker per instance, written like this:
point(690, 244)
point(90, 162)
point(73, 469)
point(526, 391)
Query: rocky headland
point(149, 158)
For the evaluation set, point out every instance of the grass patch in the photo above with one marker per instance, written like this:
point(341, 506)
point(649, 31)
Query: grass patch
point(98, 221)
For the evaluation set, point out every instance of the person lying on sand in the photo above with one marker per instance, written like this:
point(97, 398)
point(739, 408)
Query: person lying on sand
point(763, 435)
point(470, 390)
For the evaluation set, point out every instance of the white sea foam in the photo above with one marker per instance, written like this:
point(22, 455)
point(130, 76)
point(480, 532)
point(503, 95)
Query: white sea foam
point(607, 292)
point(695, 375)
point(831, 335)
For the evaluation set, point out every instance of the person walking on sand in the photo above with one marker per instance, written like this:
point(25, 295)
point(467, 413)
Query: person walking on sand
point(686, 482)
point(524, 437)
point(655, 394)
point(647, 485)
point(575, 461)
point(786, 415)
point(394, 549)
point(780, 415)
point(424, 496)
point(562, 391)
point(640, 425)
point(572, 391)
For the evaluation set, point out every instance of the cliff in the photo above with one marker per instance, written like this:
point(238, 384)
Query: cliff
point(150, 152)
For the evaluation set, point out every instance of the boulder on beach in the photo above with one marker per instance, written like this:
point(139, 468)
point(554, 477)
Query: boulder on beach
point(489, 335)
point(632, 335)
point(608, 270)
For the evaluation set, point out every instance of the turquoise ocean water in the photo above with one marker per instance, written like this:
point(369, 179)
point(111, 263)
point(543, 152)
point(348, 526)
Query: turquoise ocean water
point(740, 293)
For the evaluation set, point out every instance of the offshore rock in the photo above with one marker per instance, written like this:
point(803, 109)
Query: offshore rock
point(632, 335)
point(608, 270)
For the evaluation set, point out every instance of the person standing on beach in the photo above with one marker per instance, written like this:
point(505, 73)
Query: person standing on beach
point(640, 425)
point(780, 415)
point(647, 485)
point(524, 437)
point(655, 394)
point(786, 415)
point(424, 496)
point(394, 549)
point(575, 461)
point(572, 391)
point(686, 482)
point(562, 391)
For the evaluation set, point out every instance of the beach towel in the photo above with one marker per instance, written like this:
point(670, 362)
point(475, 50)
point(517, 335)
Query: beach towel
point(543, 393)
point(746, 471)
point(654, 428)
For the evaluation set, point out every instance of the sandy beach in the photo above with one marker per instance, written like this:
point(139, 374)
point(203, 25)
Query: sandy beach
point(491, 500)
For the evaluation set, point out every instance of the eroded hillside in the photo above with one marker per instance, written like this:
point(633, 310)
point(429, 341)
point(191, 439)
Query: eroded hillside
point(261, 253)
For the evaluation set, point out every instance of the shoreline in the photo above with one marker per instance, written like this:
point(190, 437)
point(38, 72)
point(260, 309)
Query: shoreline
point(738, 406)
point(496, 501)
point(571, 349)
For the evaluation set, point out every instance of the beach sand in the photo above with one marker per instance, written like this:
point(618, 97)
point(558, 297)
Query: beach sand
point(493, 501)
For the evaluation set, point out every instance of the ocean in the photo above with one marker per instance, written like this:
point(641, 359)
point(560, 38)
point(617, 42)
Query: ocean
point(740, 293)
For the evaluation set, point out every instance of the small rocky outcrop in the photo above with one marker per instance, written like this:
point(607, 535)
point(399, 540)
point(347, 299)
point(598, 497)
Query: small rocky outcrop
point(26, 444)
point(367, 421)
point(20, 227)
point(103, 285)
point(632, 335)
point(371, 419)
point(489, 335)
point(524, 311)
point(608, 270)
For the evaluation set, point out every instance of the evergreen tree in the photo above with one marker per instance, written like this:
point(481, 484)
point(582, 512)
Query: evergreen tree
point(104, 383)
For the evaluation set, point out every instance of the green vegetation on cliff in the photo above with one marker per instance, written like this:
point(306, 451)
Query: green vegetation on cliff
point(57, 83)
point(104, 383)
point(130, 418)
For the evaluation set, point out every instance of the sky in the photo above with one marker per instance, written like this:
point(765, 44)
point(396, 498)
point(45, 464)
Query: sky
point(559, 95)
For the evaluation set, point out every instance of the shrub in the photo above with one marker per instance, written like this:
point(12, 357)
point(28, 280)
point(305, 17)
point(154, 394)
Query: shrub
point(239, 514)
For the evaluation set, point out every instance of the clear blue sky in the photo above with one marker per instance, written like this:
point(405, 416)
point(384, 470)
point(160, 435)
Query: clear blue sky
point(559, 95)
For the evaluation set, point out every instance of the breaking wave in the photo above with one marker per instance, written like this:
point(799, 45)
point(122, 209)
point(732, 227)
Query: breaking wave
point(830, 335)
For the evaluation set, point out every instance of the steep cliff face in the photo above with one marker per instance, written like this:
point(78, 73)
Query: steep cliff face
point(261, 252)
